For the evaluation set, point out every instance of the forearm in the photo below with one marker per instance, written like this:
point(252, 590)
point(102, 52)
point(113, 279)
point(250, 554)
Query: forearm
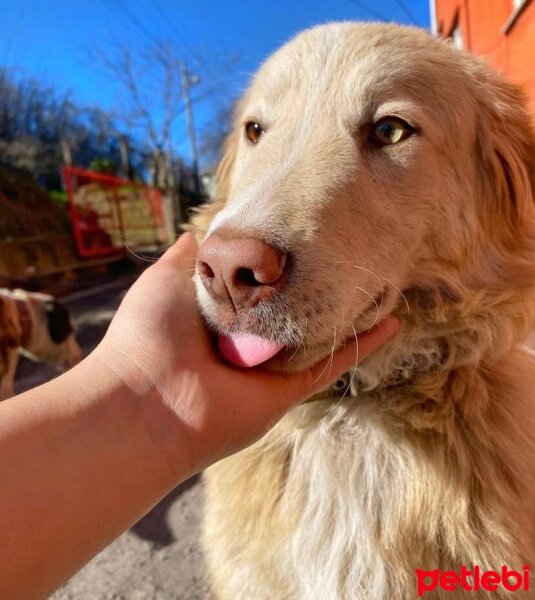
point(81, 459)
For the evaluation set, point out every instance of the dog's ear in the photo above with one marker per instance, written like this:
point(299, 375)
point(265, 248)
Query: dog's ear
point(506, 160)
point(226, 164)
point(203, 216)
point(58, 321)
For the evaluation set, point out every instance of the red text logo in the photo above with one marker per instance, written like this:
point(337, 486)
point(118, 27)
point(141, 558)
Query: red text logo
point(472, 580)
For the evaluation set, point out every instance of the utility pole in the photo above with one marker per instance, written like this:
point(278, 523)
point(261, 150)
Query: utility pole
point(186, 83)
point(66, 151)
point(126, 165)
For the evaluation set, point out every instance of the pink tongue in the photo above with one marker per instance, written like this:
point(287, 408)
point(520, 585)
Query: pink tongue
point(246, 350)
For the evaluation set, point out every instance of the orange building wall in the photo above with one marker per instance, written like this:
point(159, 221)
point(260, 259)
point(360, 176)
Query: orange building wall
point(482, 25)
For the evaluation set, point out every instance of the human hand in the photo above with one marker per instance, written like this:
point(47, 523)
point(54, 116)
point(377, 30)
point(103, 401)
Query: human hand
point(158, 345)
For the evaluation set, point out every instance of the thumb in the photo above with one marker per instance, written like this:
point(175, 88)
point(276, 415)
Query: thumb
point(182, 253)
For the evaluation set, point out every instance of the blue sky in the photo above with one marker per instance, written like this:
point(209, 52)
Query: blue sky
point(52, 39)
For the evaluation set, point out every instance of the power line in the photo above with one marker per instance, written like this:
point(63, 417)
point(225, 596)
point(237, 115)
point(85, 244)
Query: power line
point(408, 13)
point(371, 11)
point(186, 44)
point(136, 22)
point(164, 15)
point(167, 21)
point(170, 24)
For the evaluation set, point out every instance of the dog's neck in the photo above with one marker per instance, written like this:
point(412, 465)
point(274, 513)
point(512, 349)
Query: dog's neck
point(438, 342)
point(394, 370)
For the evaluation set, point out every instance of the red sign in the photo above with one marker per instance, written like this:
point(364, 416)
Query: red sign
point(110, 215)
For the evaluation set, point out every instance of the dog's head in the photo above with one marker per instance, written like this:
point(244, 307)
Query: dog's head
point(366, 161)
point(50, 330)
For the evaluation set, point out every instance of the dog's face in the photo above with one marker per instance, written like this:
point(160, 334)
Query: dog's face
point(357, 168)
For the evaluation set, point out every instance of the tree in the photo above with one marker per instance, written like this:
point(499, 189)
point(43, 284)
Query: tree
point(153, 82)
point(41, 130)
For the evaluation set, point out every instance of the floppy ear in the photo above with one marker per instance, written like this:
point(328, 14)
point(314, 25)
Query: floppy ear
point(203, 216)
point(226, 164)
point(58, 321)
point(506, 149)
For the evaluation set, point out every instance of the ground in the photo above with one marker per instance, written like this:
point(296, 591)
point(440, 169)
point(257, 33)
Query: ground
point(160, 557)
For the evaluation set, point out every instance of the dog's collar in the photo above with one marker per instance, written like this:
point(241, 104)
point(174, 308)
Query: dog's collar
point(25, 320)
point(344, 387)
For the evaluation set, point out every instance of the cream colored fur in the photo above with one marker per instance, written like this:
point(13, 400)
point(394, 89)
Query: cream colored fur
point(432, 464)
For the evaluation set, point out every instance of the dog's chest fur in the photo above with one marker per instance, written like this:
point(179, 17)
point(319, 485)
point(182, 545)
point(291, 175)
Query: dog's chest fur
point(343, 501)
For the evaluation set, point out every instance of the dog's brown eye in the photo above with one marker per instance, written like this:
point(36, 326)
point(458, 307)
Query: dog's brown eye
point(390, 130)
point(253, 131)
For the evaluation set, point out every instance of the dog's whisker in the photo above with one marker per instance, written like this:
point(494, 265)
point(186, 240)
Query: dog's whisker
point(329, 362)
point(139, 257)
point(305, 342)
point(354, 370)
point(295, 352)
point(382, 287)
point(387, 281)
point(376, 305)
point(321, 374)
point(401, 294)
point(151, 259)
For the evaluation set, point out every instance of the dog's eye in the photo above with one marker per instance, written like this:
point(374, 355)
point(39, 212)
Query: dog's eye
point(253, 131)
point(390, 130)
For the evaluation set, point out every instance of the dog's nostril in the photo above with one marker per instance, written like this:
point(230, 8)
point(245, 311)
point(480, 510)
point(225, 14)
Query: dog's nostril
point(205, 269)
point(246, 277)
point(241, 271)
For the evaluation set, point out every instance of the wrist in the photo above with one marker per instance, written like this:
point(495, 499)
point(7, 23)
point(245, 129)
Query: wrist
point(138, 408)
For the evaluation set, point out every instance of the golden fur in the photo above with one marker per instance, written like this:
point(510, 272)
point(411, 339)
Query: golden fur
point(432, 464)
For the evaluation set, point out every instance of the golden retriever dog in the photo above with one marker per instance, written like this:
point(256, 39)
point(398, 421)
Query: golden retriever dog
point(373, 169)
point(38, 327)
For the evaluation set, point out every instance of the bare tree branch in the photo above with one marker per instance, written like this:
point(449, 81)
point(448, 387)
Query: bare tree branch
point(150, 83)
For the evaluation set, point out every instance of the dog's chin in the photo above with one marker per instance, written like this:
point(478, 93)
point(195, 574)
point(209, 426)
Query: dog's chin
point(298, 358)
point(291, 360)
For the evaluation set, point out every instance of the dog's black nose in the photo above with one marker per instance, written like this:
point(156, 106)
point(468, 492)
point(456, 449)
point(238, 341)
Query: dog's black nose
point(241, 270)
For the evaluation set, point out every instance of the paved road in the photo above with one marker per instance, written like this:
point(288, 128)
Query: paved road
point(159, 558)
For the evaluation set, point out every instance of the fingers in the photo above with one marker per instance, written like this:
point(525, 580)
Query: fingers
point(329, 370)
point(182, 253)
point(282, 392)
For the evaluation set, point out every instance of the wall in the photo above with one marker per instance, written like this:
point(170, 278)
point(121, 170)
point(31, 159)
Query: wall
point(493, 28)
